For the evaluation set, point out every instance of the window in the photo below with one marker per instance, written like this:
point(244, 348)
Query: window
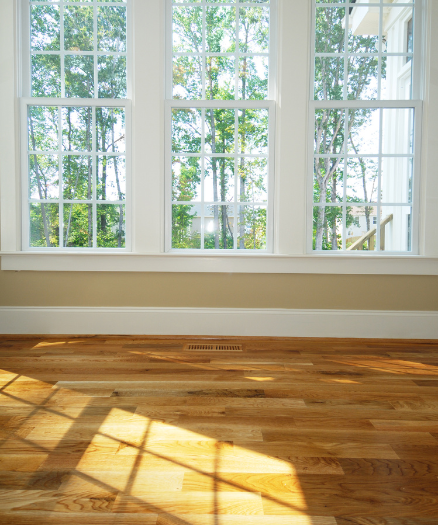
point(366, 116)
point(220, 121)
point(74, 120)
point(148, 241)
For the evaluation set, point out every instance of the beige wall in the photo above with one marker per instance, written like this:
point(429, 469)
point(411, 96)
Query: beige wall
point(348, 292)
point(228, 290)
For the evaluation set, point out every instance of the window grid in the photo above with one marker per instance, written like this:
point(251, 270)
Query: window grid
point(94, 154)
point(110, 38)
point(205, 106)
point(63, 53)
point(350, 106)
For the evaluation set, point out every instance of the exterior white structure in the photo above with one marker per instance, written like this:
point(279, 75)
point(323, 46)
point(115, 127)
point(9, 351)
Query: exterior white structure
point(397, 171)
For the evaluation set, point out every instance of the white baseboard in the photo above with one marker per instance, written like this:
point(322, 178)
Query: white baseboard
point(220, 322)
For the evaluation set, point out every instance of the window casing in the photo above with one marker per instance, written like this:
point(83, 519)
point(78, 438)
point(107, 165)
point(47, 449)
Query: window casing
point(75, 119)
point(220, 118)
point(365, 125)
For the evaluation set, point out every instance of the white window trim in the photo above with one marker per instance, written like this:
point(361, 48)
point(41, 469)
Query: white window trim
point(148, 163)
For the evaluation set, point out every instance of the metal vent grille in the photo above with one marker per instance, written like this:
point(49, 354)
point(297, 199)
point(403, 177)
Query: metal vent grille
point(200, 347)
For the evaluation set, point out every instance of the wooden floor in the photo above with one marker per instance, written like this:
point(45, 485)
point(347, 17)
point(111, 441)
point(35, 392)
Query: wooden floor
point(110, 430)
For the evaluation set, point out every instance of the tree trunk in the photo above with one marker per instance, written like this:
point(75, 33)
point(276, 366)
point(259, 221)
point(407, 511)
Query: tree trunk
point(103, 183)
point(89, 182)
point(119, 191)
point(224, 208)
point(320, 222)
point(242, 177)
point(40, 189)
point(334, 233)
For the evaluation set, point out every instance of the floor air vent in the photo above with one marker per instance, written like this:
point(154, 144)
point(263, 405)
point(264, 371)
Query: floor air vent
point(206, 347)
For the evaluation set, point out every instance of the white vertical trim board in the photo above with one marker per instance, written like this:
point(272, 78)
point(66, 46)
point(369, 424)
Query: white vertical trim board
point(220, 322)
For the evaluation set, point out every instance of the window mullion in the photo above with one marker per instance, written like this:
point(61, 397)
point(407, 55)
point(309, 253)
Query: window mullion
point(61, 182)
point(62, 47)
point(95, 65)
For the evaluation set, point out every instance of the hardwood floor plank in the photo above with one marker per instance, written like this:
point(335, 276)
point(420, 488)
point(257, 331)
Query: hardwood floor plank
point(211, 519)
point(192, 503)
point(129, 430)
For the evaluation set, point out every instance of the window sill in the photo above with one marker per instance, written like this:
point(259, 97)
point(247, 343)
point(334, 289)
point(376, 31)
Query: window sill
point(362, 264)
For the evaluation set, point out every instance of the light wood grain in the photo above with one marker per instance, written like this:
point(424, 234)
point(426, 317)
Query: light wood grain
point(129, 430)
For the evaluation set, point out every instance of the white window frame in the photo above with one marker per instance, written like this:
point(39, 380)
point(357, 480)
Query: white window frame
point(148, 158)
point(415, 103)
point(59, 102)
point(235, 104)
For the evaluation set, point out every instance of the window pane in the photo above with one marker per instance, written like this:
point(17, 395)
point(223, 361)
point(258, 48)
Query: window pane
point(187, 29)
point(363, 78)
point(220, 78)
point(186, 130)
point(327, 228)
point(253, 179)
point(220, 130)
point(186, 227)
point(111, 130)
point(186, 179)
point(330, 33)
point(187, 77)
point(111, 178)
point(111, 29)
point(364, 137)
point(254, 30)
point(398, 131)
point(44, 177)
point(253, 131)
point(45, 28)
point(78, 28)
point(78, 225)
point(110, 225)
point(77, 176)
point(396, 229)
point(112, 76)
point(220, 24)
point(329, 131)
point(46, 76)
point(79, 76)
point(43, 128)
point(44, 225)
point(363, 36)
point(219, 227)
point(328, 183)
point(252, 228)
point(397, 179)
point(329, 78)
point(219, 179)
point(399, 30)
point(76, 129)
point(253, 78)
point(361, 228)
point(363, 179)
